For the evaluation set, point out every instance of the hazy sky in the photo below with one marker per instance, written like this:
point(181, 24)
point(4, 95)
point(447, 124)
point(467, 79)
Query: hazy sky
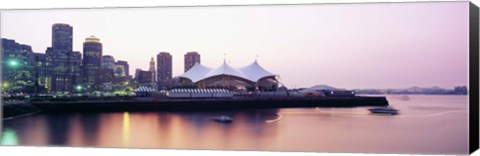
point(382, 45)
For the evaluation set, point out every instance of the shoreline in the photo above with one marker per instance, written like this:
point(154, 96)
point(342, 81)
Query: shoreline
point(18, 109)
point(25, 108)
point(206, 104)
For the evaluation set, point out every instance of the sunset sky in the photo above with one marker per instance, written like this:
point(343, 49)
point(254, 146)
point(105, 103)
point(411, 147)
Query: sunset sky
point(379, 45)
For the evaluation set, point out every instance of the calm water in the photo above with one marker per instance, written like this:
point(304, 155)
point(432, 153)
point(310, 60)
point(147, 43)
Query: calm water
point(427, 124)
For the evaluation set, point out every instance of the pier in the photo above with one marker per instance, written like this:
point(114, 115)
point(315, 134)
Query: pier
point(205, 104)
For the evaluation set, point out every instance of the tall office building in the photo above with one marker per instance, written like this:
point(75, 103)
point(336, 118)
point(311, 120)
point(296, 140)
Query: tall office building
point(62, 36)
point(164, 70)
point(40, 72)
point(59, 55)
point(107, 72)
point(76, 68)
point(92, 61)
point(190, 59)
point(108, 62)
point(152, 69)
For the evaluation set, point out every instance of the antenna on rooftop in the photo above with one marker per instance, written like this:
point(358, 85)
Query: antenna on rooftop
point(225, 57)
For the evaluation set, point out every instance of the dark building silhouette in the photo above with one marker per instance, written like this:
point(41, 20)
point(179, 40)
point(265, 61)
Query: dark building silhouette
point(121, 68)
point(121, 80)
point(40, 72)
point(17, 67)
point(59, 57)
point(105, 80)
point(108, 62)
point(106, 76)
point(143, 77)
point(190, 59)
point(76, 68)
point(164, 70)
point(62, 36)
point(92, 61)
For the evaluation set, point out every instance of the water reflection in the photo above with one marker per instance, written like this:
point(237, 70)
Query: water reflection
point(84, 128)
point(126, 129)
point(423, 125)
point(9, 137)
point(58, 129)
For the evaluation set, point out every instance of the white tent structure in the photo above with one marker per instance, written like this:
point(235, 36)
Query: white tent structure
point(144, 91)
point(255, 72)
point(252, 75)
point(196, 73)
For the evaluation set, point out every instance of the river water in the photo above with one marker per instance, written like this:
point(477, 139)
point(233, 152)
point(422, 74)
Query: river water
point(427, 124)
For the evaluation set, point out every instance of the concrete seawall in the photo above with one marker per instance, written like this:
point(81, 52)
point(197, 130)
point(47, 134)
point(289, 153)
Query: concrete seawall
point(206, 104)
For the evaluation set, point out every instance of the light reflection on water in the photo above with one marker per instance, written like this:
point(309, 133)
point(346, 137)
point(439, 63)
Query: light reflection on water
point(126, 129)
point(9, 137)
point(425, 125)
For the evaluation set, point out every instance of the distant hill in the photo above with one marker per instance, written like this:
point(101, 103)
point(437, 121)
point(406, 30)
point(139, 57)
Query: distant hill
point(458, 90)
point(426, 88)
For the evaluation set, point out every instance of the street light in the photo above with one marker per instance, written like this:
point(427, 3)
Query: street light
point(13, 63)
point(78, 88)
point(5, 84)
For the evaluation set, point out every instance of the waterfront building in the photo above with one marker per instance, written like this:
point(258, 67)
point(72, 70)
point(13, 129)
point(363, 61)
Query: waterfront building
point(121, 68)
point(105, 79)
point(108, 62)
point(152, 70)
point(92, 56)
point(251, 77)
point(164, 70)
point(76, 68)
point(122, 82)
point(17, 67)
point(40, 72)
point(59, 57)
point(190, 59)
point(105, 75)
point(143, 77)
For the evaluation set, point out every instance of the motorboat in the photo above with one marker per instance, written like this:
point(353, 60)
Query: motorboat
point(384, 110)
point(223, 119)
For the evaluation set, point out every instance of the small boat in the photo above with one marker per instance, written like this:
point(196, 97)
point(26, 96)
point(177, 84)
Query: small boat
point(224, 119)
point(384, 110)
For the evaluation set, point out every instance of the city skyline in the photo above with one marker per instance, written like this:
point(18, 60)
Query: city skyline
point(339, 66)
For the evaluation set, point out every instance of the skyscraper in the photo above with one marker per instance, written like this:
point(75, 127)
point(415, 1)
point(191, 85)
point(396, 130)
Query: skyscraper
point(92, 61)
point(190, 59)
point(59, 54)
point(76, 68)
point(40, 72)
point(108, 62)
point(152, 69)
point(62, 36)
point(164, 70)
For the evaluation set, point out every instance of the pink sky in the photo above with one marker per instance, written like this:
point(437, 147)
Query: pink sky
point(379, 45)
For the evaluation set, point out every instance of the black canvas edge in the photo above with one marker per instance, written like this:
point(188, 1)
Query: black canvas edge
point(474, 78)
